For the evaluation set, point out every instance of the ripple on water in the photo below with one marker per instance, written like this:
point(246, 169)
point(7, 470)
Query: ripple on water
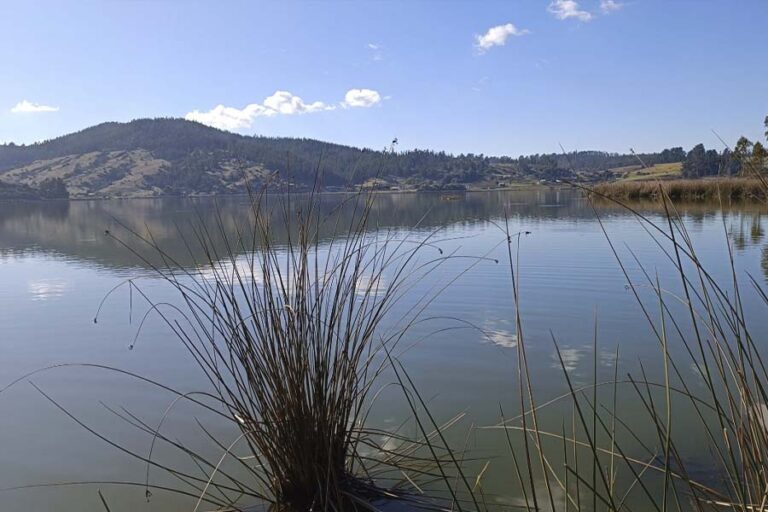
point(45, 289)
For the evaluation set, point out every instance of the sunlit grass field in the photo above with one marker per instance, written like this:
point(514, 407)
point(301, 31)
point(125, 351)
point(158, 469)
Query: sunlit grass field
point(655, 172)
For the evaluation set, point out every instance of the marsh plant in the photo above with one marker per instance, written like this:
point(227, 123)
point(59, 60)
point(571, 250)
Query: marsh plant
point(713, 189)
point(286, 321)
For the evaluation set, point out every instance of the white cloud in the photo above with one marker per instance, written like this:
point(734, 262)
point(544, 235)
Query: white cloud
point(497, 36)
point(26, 107)
point(565, 9)
point(361, 98)
point(283, 102)
point(227, 118)
point(610, 5)
point(280, 103)
point(374, 46)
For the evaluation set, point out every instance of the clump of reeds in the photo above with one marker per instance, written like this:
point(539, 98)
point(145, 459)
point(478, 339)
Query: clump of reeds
point(288, 330)
point(728, 189)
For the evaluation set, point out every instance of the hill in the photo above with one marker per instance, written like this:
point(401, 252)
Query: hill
point(149, 157)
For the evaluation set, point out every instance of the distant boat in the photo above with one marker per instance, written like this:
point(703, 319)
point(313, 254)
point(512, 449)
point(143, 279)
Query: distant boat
point(449, 197)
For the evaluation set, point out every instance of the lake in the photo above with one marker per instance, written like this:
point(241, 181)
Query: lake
point(57, 264)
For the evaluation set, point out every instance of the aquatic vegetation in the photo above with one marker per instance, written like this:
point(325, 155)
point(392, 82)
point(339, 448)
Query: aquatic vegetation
point(726, 189)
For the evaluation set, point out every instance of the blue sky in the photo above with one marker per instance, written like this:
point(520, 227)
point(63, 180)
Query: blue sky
point(587, 74)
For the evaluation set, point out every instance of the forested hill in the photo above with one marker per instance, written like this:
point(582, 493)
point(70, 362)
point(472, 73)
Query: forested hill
point(174, 156)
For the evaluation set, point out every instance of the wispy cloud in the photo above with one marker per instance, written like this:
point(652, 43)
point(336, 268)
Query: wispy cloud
point(377, 51)
point(608, 6)
point(480, 84)
point(27, 107)
point(497, 36)
point(279, 103)
point(361, 98)
point(566, 9)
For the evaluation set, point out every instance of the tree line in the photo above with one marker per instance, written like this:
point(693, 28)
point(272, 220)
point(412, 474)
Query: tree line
point(745, 159)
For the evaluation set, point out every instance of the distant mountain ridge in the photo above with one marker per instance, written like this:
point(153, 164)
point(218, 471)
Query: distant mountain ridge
point(166, 156)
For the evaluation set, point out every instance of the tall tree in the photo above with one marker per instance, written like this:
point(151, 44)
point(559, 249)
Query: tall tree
point(694, 164)
point(731, 166)
point(758, 157)
point(766, 127)
point(742, 154)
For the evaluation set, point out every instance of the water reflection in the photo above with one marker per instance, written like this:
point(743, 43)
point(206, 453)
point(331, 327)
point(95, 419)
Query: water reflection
point(569, 358)
point(502, 338)
point(747, 230)
point(77, 229)
point(43, 289)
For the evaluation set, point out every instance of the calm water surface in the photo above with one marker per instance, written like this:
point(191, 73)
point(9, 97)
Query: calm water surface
point(56, 265)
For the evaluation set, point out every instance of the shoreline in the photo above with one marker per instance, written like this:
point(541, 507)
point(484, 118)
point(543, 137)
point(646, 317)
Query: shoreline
point(684, 190)
point(523, 186)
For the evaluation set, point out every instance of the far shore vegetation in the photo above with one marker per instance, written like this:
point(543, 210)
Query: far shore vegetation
point(175, 157)
point(49, 188)
point(712, 189)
